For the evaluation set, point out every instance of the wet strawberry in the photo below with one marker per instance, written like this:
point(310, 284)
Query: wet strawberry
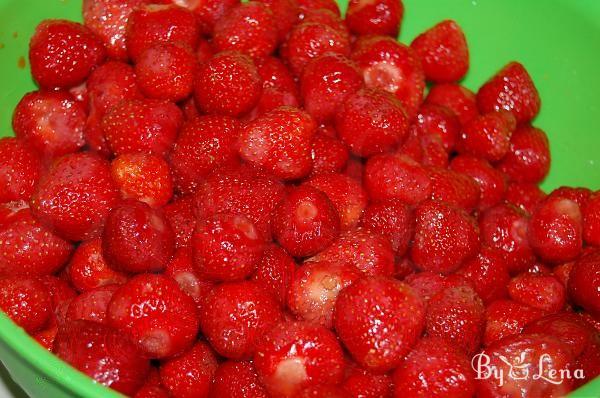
point(507, 318)
point(491, 182)
point(591, 220)
point(455, 97)
point(438, 121)
point(307, 5)
point(274, 272)
point(329, 154)
point(583, 282)
point(360, 383)
point(20, 170)
point(488, 274)
point(393, 219)
point(285, 13)
point(237, 380)
point(528, 159)
point(488, 135)
point(190, 375)
point(370, 18)
point(152, 388)
point(454, 188)
point(539, 291)
point(524, 195)
point(26, 301)
point(181, 269)
point(180, 215)
point(91, 305)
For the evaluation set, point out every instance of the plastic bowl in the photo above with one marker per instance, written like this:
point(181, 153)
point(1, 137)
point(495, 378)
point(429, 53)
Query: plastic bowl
point(557, 42)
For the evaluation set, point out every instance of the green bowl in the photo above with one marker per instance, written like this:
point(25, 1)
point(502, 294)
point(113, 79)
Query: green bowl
point(557, 41)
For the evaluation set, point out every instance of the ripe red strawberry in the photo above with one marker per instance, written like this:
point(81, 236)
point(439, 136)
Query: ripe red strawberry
point(591, 220)
point(371, 253)
point(191, 374)
point(578, 195)
point(272, 98)
point(488, 135)
point(143, 125)
point(276, 75)
point(488, 274)
point(285, 13)
point(310, 40)
point(137, 238)
point(392, 176)
point(434, 368)
point(329, 154)
point(445, 237)
point(454, 188)
point(347, 195)
point(153, 23)
point(166, 71)
point(307, 5)
point(243, 191)
point(583, 282)
point(379, 320)
point(51, 122)
point(504, 227)
point(440, 121)
point(369, 18)
point(61, 294)
point(510, 89)
point(539, 291)
point(393, 219)
point(274, 272)
point(456, 314)
point(75, 196)
point(306, 221)
point(534, 354)
point(160, 318)
point(91, 305)
point(26, 301)
point(227, 84)
point(491, 182)
point(562, 272)
point(322, 391)
point(246, 313)
point(152, 388)
point(63, 53)
point(507, 318)
point(250, 28)
point(296, 355)
point(88, 269)
point(315, 289)
point(180, 215)
point(455, 97)
point(360, 383)
point(204, 143)
point(427, 149)
point(555, 230)
point(524, 195)
point(443, 51)
point(371, 121)
point(280, 142)
point(327, 17)
point(237, 380)
point(20, 167)
point(103, 354)
point(143, 176)
point(181, 269)
point(528, 159)
point(427, 284)
point(326, 82)
point(391, 66)
point(227, 247)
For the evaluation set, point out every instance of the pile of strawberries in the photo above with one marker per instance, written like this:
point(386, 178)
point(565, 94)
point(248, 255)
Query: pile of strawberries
point(208, 198)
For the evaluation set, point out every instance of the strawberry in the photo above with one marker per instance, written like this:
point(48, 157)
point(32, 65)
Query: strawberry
point(528, 159)
point(274, 272)
point(246, 313)
point(440, 121)
point(371, 121)
point(306, 221)
point(591, 220)
point(510, 89)
point(103, 354)
point(443, 51)
point(583, 282)
point(454, 188)
point(63, 53)
point(379, 320)
point(271, 99)
point(137, 238)
point(427, 284)
point(26, 301)
point(581, 195)
point(323, 390)
point(180, 215)
point(250, 28)
point(89, 270)
point(393, 219)
point(51, 122)
point(327, 17)
point(491, 182)
point(296, 355)
point(455, 97)
point(152, 388)
point(190, 375)
point(226, 247)
point(91, 305)
point(488, 274)
point(143, 125)
point(539, 291)
point(434, 368)
point(149, 24)
point(276, 75)
point(307, 5)
point(21, 168)
point(208, 12)
point(445, 237)
point(369, 18)
point(237, 380)
point(389, 65)
point(507, 318)
point(181, 269)
point(159, 317)
point(562, 272)
point(75, 195)
point(360, 383)
point(280, 142)
point(524, 195)
point(285, 13)
point(227, 84)
point(329, 154)
point(488, 135)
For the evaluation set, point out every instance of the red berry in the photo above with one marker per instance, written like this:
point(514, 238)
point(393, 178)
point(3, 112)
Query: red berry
point(273, 98)
point(427, 284)
point(285, 14)
point(379, 320)
point(180, 215)
point(329, 154)
point(510, 89)
point(491, 182)
point(280, 142)
point(91, 305)
point(455, 97)
point(227, 247)
point(143, 125)
point(296, 355)
point(20, 167)
point(371, 121)
point(160, 318)
point(528, 159)
point(454, 188)
point(75, 195)
point(89, 270)
point(591, 220)
point(443, 51)
point(181, 269)
point(51, 122)
point(103, 354)
point(63, 53)
point(26, 301)
point(274, 272)
point(191, 374)
point(276, 75)
point(539, 291)
point(208, 12)
point(392, 219)
point(152, 388)
point(246, 313)
point(360, 383)
point(369, 18)
point(578, 195)
point(250, 28)
point(507, 318)
point(327, 17)
point(445, 237)
point(488, 135)
point(583, 282)
point(237, 380)
point(488, 274)
point(307, 5)
point(228, 84)
point(524, 195)
point(440, 121)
